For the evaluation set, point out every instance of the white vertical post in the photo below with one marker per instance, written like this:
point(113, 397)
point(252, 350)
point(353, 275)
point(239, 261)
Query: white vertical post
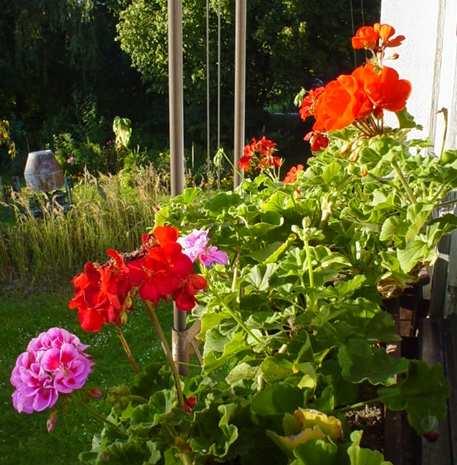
point(176, 103)
point(240, 85)
point(176, 110)
point(428, 58)
point(208, 92)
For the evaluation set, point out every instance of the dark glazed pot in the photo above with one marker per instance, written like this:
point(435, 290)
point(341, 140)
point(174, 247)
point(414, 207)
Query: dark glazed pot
point(42, 172)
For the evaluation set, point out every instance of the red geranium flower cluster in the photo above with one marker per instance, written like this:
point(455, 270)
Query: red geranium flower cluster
point(367, 91)
point(361, 97)
point(260, 154)
point(101, 294)
point(159, 271)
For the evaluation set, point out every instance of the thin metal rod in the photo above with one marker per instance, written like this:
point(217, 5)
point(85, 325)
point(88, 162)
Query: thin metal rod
point(240, 86)
point(219, 54)
point(176, 102)
point(176, 108)
point(208, 93)
point(353, 30)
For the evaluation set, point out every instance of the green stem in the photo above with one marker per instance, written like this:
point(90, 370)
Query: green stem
point(166, 349)
point(185, 459)
point(128, 351)
point(403, 181)
point(309, 262)
point(446, 125)
point(359, 404)
point(97, 416)
point(241, 323)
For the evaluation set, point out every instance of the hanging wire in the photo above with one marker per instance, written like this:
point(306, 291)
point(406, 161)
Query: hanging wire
point(208, 115)
point(219, 74)
point(353, 30)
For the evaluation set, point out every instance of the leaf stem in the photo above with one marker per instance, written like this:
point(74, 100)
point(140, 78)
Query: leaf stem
point(309, 262)
point(241, 323)
point(97, 416)
point(151, 311)
point(359, 404)
point(403, 181)
point(128, 351)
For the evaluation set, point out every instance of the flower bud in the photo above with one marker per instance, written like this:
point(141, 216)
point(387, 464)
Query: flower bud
point(51, 421)
point(95, 393)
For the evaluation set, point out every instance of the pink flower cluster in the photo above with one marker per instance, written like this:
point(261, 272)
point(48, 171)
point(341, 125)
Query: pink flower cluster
point(55, 363)
point(195, 246)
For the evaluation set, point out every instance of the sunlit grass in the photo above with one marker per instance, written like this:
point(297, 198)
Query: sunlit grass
point(108, 211)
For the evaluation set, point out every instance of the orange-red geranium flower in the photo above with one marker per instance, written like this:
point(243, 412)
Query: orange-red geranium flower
point(366, 37)
point(383, 87)
point(308, 103)
point(386, 32)
point(292, 174)
point(342, 102)
point(376, 37)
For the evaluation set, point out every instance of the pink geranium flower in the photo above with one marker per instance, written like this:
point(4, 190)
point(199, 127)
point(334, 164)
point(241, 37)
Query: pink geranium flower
point(195, 246)
point(55, 363)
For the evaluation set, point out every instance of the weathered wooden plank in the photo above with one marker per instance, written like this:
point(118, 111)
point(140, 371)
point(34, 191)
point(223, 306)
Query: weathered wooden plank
point(450, 352)
point(439, 452)
point(450, 302)
point(439, 279)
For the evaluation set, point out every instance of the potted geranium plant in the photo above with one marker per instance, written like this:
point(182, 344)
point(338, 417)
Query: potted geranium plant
point(293, 333)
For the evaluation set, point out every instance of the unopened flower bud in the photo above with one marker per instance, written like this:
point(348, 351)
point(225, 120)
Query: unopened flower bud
point(354, 156)
point(363, 171)
point(51, 421)
point(95, 393)
point(431, 436)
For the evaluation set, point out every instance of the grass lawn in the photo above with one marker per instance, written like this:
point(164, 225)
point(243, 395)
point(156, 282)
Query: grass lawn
point(23, 438)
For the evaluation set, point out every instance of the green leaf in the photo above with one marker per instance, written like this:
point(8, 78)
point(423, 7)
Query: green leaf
point(392, 229)
point(361, 456)
point(260, 275)
point(422, 394)
point(154, 451)
point(122, 128)
point(406, 120)
point(360, 361)
point(381, 328)
point(330, 172)
point(348, 287)
point(411, 255)
point(222, 201)
point(274, 369)
point(309, 378)
point(170, 457)
point(317, 452)
point(241, 372)
point(277, 399)
point(417, 215)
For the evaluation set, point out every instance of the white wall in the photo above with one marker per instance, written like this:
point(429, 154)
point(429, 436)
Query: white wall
point(428, 58)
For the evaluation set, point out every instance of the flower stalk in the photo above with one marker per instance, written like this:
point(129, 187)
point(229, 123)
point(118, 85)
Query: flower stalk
point(128, 351)
point(151, 311)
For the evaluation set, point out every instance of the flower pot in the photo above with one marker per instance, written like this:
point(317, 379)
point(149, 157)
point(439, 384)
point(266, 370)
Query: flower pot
point(42, 172)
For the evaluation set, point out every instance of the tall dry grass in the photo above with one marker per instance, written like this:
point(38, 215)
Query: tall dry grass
point(108, 211)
